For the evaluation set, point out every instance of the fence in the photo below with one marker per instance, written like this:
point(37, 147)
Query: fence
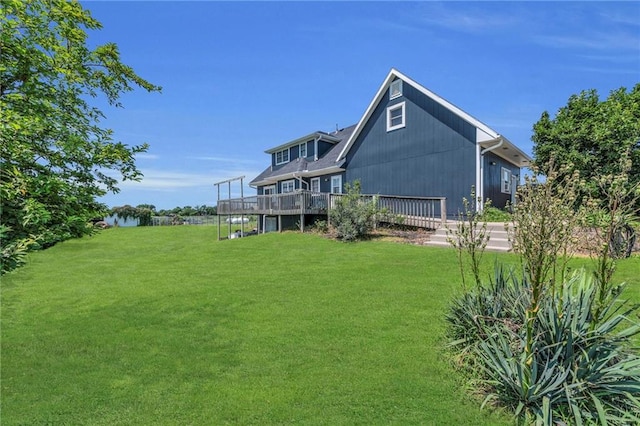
point(194, 220)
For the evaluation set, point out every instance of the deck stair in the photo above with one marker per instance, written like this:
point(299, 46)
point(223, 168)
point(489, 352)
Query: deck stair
point(498, 238)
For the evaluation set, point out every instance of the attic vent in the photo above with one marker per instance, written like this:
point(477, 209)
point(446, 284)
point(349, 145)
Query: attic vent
point(395, 90)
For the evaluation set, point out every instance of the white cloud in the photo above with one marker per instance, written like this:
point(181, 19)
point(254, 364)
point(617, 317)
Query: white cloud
point(596, 41)
point(170, 181)
point(145, 156)
point(468, 19)
point(223, 159)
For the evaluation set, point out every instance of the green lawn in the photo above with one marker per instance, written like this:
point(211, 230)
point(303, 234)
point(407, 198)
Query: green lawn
point(169, 326)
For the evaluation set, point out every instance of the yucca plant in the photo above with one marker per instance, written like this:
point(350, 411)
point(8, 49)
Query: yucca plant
point(504, 300)
point(579, 369)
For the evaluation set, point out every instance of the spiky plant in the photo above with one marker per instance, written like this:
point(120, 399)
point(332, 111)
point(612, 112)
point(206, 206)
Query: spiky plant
point(579, 368)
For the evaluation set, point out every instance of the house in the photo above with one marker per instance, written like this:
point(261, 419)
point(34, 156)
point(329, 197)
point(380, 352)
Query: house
point(409, 143)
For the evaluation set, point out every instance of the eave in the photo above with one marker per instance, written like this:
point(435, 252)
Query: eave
point(321, 135)
point(508, 151)
point(301, 174)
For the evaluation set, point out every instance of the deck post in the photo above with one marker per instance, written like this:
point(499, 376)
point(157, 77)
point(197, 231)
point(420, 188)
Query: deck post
point(228, 207)
point(217, 212)
point(302, 203)
point(242, 207)
point(443, 211)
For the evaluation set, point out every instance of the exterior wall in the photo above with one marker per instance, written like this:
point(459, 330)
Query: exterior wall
point(325, 183)
point(323, 147)
point(492, 169)
point(311, 149)
point(432, 156)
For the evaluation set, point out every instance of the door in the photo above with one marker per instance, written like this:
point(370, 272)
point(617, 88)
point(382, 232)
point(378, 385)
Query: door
point(269, 201)
point(514, 187)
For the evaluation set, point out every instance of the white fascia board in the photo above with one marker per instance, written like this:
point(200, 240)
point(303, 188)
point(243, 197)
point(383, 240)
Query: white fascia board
point(483, 131)
point(507, 152)
point(367, 114)
point(482, 136)
point(323, 136)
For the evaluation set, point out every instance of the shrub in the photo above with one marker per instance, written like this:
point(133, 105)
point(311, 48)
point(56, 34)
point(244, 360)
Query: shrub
point(502, 300)
point(13, 253)
point(354, 215)
point(581, 369)
point(469, 237)
point(320, 226)
point(494, 214)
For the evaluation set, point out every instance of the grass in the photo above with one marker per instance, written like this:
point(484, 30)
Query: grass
point(169, 326)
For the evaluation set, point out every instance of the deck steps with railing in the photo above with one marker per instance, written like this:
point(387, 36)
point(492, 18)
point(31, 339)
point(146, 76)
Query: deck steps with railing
point(498, 237)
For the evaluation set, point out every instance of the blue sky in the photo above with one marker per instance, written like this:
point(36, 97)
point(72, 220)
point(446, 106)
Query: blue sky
point(241, 77)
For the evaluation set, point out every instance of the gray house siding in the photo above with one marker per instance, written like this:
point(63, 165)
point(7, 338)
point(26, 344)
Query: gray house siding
point(492, 174)
point(432, 156)
point(323, 147)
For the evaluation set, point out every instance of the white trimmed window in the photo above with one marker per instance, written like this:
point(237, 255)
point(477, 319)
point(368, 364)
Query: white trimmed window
point(505, 181)
point(268, 190)
point(288, 186)
point(282, 156)
point(315, 185)
point(336, 184)
point(395, 117)
point(395, 89)
point(303, 150)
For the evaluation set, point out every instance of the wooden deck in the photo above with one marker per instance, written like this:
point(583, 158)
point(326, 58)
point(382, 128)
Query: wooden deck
point(423, 212)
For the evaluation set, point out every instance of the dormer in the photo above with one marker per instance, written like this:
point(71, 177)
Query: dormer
point(310, 147)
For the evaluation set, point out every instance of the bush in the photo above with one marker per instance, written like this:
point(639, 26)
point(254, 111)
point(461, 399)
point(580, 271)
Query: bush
point(320, 227)
point(354, 215)
point(494, 214)
point(581, 369)
point(13, 253)
point(502, 300)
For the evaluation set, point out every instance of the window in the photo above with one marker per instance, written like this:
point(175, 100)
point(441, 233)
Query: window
point(282, 156)
point(303, 150)
point(395, 90)
point(395, 117)
point(506, 181)
point(288, 186)
point(336, 184)
point(315, 185)
point(268, 190)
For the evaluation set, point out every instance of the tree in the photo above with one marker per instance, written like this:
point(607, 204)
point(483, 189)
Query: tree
point(594, 137)
point(55, 159)
point(142, 214)
point(147, 206)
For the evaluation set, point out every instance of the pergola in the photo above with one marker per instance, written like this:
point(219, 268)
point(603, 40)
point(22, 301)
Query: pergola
point(228, 182)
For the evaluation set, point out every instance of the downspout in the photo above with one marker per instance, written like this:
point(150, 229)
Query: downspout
point(480, 191)
point(315, 148)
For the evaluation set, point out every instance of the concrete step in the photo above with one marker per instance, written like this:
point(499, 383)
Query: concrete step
point(498, 237)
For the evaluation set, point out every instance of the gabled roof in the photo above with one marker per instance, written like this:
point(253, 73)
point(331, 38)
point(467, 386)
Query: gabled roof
point(483, 134)
point(304, 168)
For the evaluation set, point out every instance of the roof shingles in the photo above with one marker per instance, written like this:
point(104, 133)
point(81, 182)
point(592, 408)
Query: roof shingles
point(305, 167)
